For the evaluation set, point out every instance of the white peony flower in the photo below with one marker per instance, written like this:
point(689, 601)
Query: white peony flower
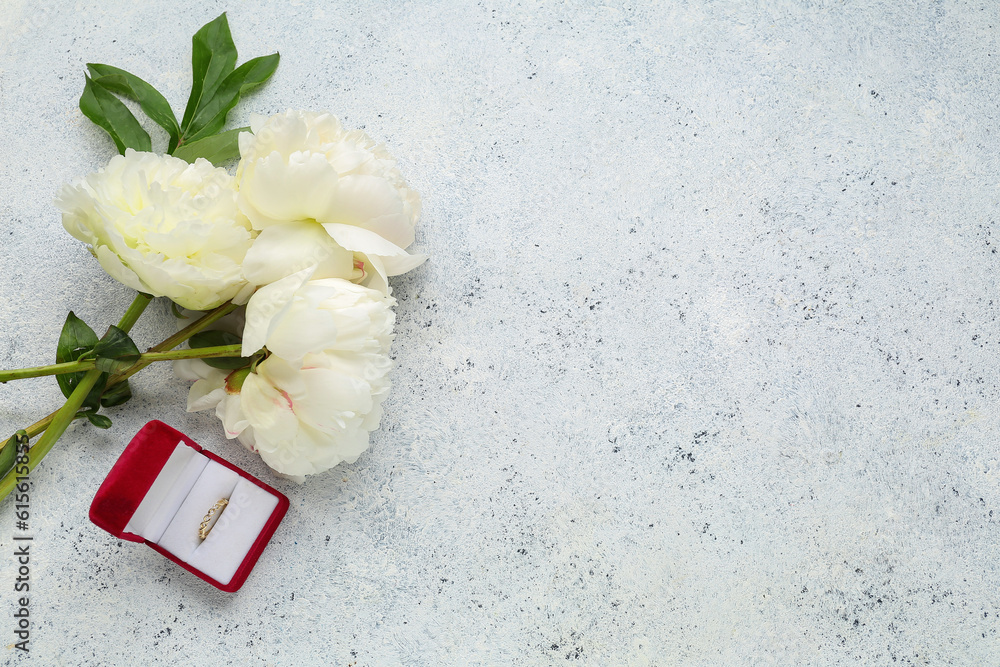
point(305, 168)
point(212, 388)
point(162, 226)
point(312, 403)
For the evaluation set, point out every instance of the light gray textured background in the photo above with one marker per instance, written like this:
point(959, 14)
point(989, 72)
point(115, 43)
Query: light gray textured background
point(703, 370)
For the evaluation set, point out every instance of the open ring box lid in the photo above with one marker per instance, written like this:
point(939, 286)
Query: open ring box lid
point(162, 487)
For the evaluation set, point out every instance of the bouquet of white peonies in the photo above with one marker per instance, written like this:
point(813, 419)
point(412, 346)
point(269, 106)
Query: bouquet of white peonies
point(291, 259)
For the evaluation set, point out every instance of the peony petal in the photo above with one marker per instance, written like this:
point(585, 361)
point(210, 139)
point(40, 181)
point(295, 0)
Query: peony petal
point(281, 250)
point(385, 257)
point(267, 304)
point(230, 411)
point(205, 395)
point(268, 411)
point(376, 278)
point(362, 240)
point(372, 202)
point(278, 192)
point(330, 399)
point(302, 330)
point(116, 269)
point(193, 369)
point(241, 297)
point(396, 265)
point(246, 438)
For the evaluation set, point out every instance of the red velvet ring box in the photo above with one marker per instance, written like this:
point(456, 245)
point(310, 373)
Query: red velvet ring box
point(160, 491)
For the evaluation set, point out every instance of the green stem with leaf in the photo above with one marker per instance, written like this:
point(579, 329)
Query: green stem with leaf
point(216, 87)
point(168, 344)
point(55, 424)
point(145, 360)
point(67, 413)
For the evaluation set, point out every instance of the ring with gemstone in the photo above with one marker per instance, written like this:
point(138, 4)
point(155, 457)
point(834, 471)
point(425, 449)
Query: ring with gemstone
point(205, 528)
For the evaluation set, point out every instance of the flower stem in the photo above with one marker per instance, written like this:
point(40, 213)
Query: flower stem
point(145, 359)
point(152, 356)
point(39, 425)
point(125, 324)
point(60, 421)
point(194, 353)
point(135, 309)
point(175, 340)
point(51, 369)
point(193, 328)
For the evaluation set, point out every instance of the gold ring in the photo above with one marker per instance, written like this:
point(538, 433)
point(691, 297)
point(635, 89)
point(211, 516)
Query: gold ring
point(205, 529)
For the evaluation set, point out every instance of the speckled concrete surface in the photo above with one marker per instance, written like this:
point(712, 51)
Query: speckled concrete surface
point(703, 370)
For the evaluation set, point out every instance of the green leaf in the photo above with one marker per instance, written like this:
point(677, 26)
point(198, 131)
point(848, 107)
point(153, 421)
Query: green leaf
point(78, 341)
point(152, 102)
point(117, 394)
point(177, 313)
point(93, 399)
point(215, 339)
point(211, 116)
point(116, 351)
point(227, 363)
point(8, 455)
point(258, 356)
point(213, 57)
point(99, 105)
point(100, 421)
point(75, 340)
point(217, 148)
